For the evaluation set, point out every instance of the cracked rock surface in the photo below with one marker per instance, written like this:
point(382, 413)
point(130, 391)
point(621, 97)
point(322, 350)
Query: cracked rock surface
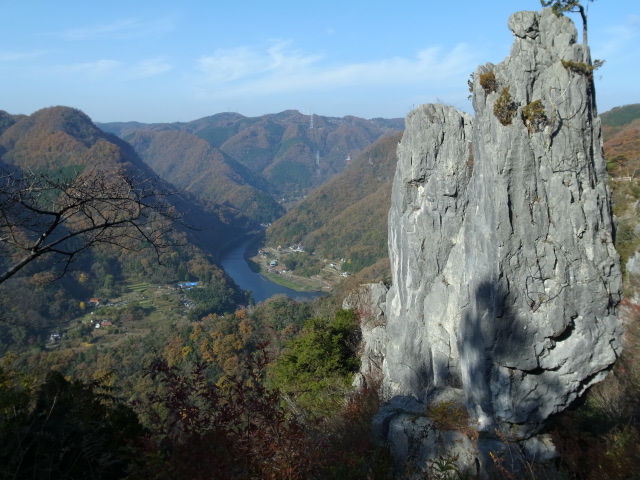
point(505, 277)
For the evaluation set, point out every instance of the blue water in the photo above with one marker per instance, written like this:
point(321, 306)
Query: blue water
point(262, 288)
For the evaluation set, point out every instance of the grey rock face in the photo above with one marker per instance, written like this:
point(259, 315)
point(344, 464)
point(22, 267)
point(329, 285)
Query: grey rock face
point(427, 256)
point(505, 277)
point(369, 301)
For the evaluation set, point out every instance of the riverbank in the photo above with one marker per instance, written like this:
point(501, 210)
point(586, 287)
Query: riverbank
point(260, 265)
point(271, 263)
point(263, 286)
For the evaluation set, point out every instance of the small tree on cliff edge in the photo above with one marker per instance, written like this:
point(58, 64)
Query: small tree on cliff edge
point(561, 6)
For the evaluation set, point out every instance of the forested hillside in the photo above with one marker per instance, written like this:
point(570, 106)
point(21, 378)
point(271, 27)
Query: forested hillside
point(347, 217)
point(621, 130)
point(112, 368)
point(59, 143)
point(191, 163)
point(292, 151)
point(185, 382)
point(65, 138)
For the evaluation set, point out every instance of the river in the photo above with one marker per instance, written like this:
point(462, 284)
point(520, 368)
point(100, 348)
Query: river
point(234, 263)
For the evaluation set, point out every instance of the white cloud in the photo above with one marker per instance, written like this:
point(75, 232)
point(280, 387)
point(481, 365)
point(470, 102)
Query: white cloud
point(280, 68)
point(122, 29)
point(17, 56)
point(113, 70)
point(93, 70)
point(150, 68)
point(244, 63)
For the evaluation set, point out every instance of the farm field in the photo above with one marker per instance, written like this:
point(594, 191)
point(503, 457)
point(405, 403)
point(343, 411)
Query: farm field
point(325, 280)
point(136, 312)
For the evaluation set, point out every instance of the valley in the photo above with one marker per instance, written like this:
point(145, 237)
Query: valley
point(331, 239)
point(275, 263)
point(414, 253)
point(258, 276)
point(259, 165)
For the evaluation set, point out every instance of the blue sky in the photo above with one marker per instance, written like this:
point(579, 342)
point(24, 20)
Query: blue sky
point(165, 61)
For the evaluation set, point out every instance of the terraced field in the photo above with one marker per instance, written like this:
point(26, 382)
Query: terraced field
point(138, 287)
point(149, 296)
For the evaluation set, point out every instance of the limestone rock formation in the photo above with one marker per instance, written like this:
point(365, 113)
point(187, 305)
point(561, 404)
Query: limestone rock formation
point(369, 301)
point(426, 251)
point(505, 276)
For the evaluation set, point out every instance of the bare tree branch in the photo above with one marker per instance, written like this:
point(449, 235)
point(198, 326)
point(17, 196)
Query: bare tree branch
point(49, 214)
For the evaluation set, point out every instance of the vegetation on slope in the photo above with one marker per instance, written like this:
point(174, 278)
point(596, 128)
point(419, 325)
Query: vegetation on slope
point(61, 141)
point(292, 151)
point(168, 378)
point(316, 370)
point(189, 399)
point(621, 130)
point(189, 162)
point(164, 393)
point(620, 116)
point(347, 217)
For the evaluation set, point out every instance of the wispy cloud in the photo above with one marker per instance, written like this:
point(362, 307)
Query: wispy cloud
point(150, 68)
point(619, 38)
point(18, 56)
point(93, 70)
point(281, 68)
point(245, 63)
point(114, 70)
point(122, 29)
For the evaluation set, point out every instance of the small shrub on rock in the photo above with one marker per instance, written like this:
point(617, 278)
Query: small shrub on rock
point(534, 116)
point(505, 108)
point(582, 68)
point(488, 82)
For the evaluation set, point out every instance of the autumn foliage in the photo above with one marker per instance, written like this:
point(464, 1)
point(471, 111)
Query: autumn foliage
point(235, 430)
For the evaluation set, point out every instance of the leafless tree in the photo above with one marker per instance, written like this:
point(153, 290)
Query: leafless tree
point(59, 216)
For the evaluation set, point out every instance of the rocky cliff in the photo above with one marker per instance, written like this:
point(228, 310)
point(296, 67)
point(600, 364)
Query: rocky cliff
point(505, 277)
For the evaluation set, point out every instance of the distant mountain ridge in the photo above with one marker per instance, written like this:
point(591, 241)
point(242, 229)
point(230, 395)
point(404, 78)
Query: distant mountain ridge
point(53, 137)
point(64, 137)
point(292, 152)
point(191, 163)
point(619, 116)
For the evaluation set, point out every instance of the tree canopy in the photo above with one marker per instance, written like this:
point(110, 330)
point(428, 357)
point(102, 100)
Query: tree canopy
point(322, 359)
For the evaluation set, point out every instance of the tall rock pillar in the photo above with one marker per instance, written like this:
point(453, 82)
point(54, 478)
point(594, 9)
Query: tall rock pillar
point(543, 275)
point(426, 251)
point(505, 277)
